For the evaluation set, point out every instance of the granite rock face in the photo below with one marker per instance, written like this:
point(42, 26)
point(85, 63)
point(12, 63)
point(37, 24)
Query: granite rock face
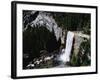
point(81, 48)
point(45, 39)
point(80, 52)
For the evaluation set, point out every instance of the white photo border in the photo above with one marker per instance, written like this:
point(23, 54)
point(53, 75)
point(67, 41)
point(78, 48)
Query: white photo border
point(18, 72)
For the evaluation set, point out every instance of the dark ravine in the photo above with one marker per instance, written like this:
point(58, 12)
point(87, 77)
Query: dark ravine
point(45, 35)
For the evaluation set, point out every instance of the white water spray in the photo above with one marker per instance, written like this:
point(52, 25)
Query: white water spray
point(65, 56)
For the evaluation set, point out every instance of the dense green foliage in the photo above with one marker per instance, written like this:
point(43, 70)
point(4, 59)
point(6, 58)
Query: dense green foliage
point(38, 38)
point(73, 21)
point(77, 22)
point(82, 58)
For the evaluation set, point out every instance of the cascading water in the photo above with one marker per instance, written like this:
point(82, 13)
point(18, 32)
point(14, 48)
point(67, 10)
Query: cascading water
point(65, 56)
point(44, 19)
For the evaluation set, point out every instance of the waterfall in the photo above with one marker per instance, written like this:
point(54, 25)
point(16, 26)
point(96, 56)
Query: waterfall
point(65, 56)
